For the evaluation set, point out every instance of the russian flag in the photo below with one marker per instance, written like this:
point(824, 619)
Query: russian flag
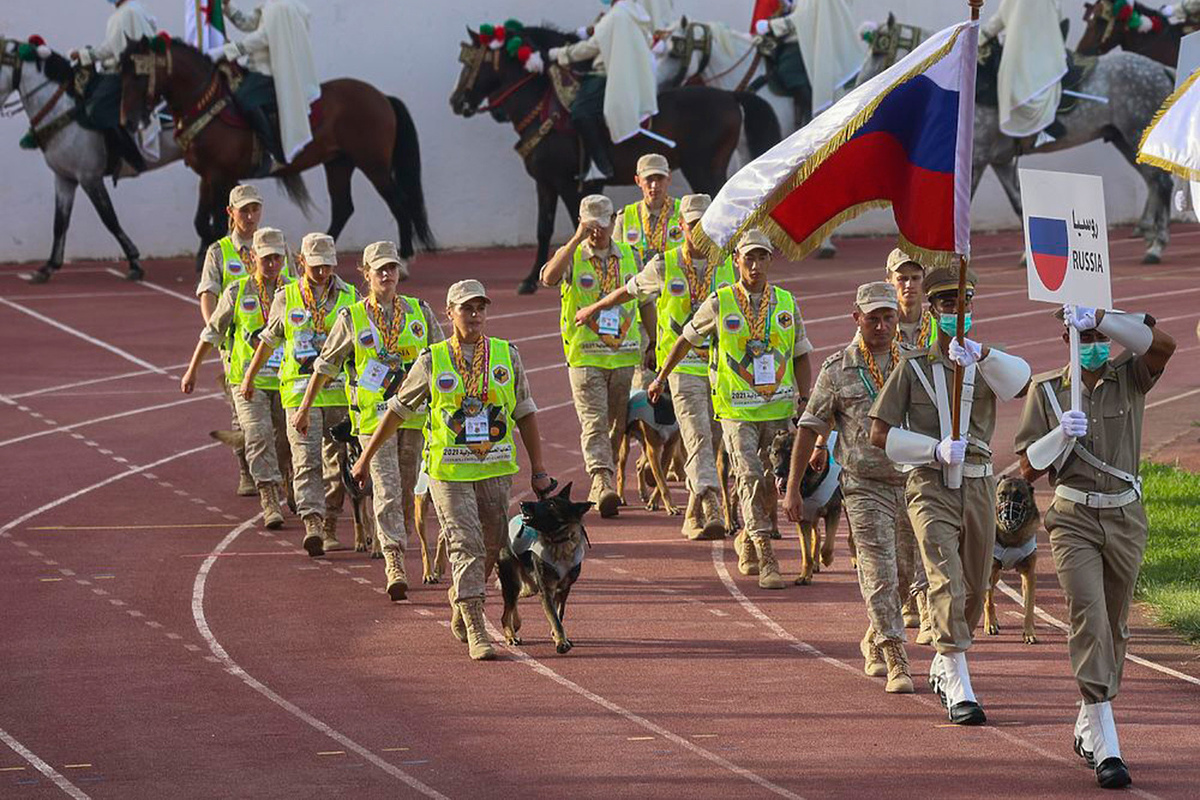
point(902, 139)
point(1049, 248)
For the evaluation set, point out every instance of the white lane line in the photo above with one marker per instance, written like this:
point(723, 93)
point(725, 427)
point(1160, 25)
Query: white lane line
point(70, 789)
point(540, 668)
point(105, 379)
point(112, 348)
point(233, 668)
point(157, 288)
point(134, 412)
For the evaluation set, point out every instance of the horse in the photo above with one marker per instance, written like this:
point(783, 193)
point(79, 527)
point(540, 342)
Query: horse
point(355, 126)
point(1103, 32)
point(705, 123)
point(1119, 120)
point(76, 155)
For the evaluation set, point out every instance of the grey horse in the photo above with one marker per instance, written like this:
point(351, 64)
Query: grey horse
point(1135, 88)
point(77, 156)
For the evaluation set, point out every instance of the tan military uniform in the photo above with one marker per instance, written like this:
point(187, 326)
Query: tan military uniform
point(473, 514)
point(396, 465)
point(1097, 551)
point(872, 486)
point(655, 219)
point(316, 456)
point(261, 418)
point(955, 528)
point(211, 275)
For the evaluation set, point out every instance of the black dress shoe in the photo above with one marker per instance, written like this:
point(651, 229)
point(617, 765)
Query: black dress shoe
point(967, 713)
point(1111, 773)
point(1087, 755)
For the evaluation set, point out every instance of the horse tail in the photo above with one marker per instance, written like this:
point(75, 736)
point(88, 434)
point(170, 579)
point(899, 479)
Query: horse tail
point(406, 171)
point(297, 192)
point(761, 124)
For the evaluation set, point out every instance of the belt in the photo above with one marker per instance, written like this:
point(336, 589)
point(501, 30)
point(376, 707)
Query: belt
point(977, 470)
point(1096, 499)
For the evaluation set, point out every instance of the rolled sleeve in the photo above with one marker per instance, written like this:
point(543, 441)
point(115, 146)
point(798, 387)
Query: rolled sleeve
point(819, 413)
point(410, 400)
point(803, 345)
point(338, 346)
point(647, 284)
point(274, 333)
point(703, 323)
point(525, 402)
point(222, 317)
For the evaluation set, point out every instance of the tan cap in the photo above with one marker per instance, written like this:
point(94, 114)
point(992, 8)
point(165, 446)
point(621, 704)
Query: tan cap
point(693, 206)
point(466, 290)
point(945, 279)
point(753, 239)
point(318, 250)
point(898, 258)
point(243, 195)
point(878, 294)
point(652, 164)
point(596, 208)
point(380, 253)
point(269, 242)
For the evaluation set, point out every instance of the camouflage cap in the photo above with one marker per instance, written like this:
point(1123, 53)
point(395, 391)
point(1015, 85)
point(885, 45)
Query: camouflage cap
point(378, 254)
point(652, 164)
point(466, 290)
point(243, 195)
point(693, 206)
point(318, 250)
point(945, 279)
point(596, 208)
point(269, 242)
point(753, 239)
point(898, 258)
point(878, 294)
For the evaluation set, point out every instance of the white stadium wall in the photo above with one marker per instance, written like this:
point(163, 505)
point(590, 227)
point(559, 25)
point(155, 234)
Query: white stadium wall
point(475, 186)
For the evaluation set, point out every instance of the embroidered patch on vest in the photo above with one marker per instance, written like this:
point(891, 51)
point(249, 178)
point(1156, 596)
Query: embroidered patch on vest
point(235, 267)
point(677, 288)
point(733, 323)
point(500, 374)
point(298, 316)
point(675, 232)
point(418, 330)
point(587, 281)
point(367, 339)
point(633, 236)
point(784, 319)
point(447, 382)
point(249, 304)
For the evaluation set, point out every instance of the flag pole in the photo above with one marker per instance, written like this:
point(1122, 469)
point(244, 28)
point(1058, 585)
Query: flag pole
point(956, 421)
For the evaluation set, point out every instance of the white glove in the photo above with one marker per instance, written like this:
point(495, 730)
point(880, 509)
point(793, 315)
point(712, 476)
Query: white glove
point(559, 54)
point(965, 354)
point(951, 451)
point(1074, 423)
point(1081, 318)
point(762, 27)
point(583, 32)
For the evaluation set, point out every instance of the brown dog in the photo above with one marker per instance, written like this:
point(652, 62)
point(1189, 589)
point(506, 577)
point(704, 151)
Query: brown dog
point(1017, 523)
point(655, 427)
point(813, 552)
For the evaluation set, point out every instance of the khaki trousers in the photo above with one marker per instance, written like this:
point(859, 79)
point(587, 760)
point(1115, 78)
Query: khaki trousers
point(394, 471)
point(312, 474)
point(692, 398)
point(910, 569)
point(746, 443)
point(1098, 554)
point(956, 530)
point(877, 515)
point(602, 403)
point(473, 516)
point(262, 420)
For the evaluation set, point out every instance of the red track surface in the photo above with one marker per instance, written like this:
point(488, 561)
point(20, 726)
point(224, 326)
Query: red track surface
point(156, 644)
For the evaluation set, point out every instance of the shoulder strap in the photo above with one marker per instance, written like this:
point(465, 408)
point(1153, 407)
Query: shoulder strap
point(1084, 454)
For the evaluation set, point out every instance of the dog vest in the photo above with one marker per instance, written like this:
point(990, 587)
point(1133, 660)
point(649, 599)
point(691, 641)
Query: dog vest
point(675, 309)
point(302, 344)
point(828, 485)
point(524, 539)
point(612, 338)
point(1093, 499)
point(1009, 557)
point(378, 372)
point(755, 380)
point(640, 409)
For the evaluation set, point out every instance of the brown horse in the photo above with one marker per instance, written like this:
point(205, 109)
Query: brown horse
point(1104, 32)
point(705, 124)
point(356, 127)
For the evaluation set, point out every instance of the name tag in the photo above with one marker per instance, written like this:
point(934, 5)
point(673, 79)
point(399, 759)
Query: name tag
point(373, 376)
point(764, 369)
point(608, 321)
point(477, 427)
point(305, 347)
point(276, 358)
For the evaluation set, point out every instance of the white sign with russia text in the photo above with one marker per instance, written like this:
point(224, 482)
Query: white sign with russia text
point(1066, 238)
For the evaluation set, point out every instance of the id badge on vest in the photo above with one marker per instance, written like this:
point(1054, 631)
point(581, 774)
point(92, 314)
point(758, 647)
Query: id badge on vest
point(477, 428)
point(276, 359)
point(373, 376)
point(307, 345)
point(608, 321)
point(764, 369)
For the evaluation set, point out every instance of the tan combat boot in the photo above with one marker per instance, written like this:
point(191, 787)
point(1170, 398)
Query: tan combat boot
point(747, 555)
point(477, 635)
point(329, 539)
point(873, 663)
point(458, 625)
point(314, 533)
point(925, 634)
point(246, 487)
point(268, 497)
point(912, 616)
point(899, 679)
point(603, 494)
point(768, 567)
point(393, 568)
point(712, 520)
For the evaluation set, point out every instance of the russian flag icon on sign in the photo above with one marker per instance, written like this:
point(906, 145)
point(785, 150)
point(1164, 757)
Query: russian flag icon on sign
point(1048, 246)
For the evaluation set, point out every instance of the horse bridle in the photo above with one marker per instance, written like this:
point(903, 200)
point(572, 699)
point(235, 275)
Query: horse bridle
point(474, 57)
point(887, 42)
point(147, 64)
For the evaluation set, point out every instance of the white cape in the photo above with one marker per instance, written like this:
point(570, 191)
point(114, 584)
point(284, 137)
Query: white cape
point(833, 51)
point(1033, 63)
point(631, 95)
point(663, 16)
point(296, 87)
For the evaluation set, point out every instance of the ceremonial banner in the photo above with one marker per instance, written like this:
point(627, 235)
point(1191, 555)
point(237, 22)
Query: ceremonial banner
point(204, 24)
point(902, 139)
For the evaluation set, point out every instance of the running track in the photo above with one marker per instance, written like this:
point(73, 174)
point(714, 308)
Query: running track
point(157, 642)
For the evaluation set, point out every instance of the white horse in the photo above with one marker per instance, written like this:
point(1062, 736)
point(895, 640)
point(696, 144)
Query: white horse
point(77, 156)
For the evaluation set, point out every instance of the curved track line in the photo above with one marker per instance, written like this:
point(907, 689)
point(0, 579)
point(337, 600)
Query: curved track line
point(112, 348)
point(41, 766)
point(234, 669)
point(74, 425)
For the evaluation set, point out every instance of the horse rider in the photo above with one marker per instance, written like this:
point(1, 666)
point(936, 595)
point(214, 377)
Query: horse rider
point(601, 354)
point(1096, 523)
point(301, 316)
point(101, 108)
point(846, 386)
point(680, 280)
point(235, 323)
point(620, 91)
point(376, 341)
point(1032, 66)
point(950, 491)
point(819, 52)
point(281, 78)
point(478, 399)
point(762, 377)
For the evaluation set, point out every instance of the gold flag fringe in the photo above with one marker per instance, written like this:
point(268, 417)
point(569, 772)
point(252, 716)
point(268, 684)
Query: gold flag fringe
point(1167, 165)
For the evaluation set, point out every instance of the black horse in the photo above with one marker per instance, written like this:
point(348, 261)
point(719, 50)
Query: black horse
point(705, 123)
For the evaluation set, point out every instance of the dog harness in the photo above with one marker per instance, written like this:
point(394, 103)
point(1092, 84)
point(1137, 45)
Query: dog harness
point(640, 409)
point(828, 485)
point(1009, 557)
point(524, 539)
point(1094, 499)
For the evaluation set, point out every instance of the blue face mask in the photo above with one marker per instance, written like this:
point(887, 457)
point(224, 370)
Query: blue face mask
point(948, 323)
point(1093, 355)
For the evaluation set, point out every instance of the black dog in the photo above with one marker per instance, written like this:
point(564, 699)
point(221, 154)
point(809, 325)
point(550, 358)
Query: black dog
point(545, 547)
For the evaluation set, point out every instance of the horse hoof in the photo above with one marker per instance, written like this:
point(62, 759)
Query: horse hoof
point(41, 276)
point(826, 251)
point(1152, 258)
point(527, 286)
point(515, 641)
point(428, 579)
point(135, 273)
point(993, 629)
point(1030, 639)
point(563, 647)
